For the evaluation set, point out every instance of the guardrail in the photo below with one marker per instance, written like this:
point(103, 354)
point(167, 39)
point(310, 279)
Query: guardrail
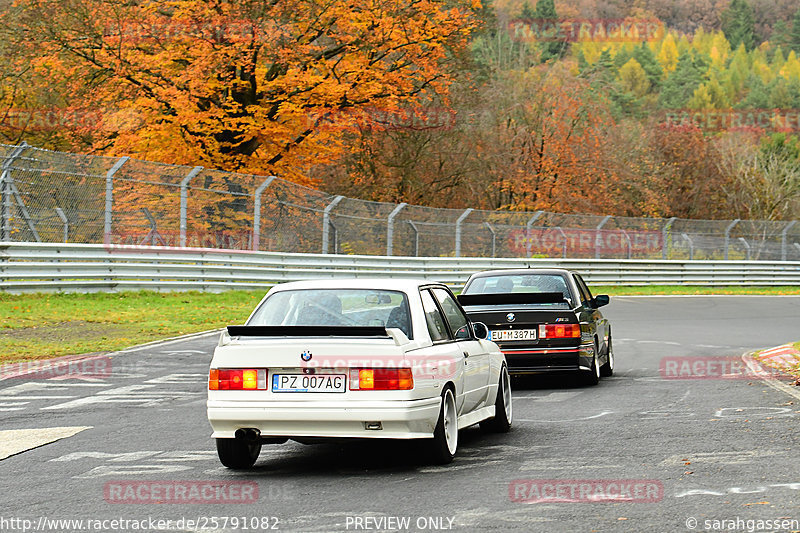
point(46, 267)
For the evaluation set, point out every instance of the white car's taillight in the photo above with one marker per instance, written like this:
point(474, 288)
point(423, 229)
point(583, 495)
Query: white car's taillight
point(381, 379)
point(237, 379)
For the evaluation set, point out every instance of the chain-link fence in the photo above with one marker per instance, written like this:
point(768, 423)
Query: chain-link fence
point(63, 197)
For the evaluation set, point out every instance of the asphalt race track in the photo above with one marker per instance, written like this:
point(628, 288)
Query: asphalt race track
point(684, 452)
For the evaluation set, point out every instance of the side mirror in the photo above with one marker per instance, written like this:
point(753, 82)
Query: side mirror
point(601, 299)
point(480, 330)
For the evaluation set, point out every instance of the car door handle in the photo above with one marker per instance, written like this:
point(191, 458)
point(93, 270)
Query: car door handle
point(466, 354)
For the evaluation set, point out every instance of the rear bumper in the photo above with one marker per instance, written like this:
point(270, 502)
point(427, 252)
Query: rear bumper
point(540, 360)
point(401, 419)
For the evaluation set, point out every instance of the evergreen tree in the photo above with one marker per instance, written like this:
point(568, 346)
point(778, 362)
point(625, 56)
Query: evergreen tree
point(738, 23)
point(757, 94)
point(681, 84)
point(527, 12)
point(647, 59)
point(794, 36)
point(583, 65)
point(780, 35)
point(622, 56)
point(545, 15)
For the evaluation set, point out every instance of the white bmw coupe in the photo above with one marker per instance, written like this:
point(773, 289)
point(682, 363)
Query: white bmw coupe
point(358, 358)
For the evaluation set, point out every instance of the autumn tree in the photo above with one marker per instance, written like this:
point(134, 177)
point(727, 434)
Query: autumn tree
point(766, 178)
point(633, 78)
point(692, 186)
point(238, 85)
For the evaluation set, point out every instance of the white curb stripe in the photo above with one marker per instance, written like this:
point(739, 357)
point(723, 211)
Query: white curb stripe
point(16, 441)
point(761, 374)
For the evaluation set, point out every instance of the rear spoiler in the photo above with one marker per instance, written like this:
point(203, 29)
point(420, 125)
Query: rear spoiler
point(308, 331)
point(511, 298)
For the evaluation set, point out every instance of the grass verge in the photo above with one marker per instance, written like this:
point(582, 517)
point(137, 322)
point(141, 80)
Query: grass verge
point(39, 326)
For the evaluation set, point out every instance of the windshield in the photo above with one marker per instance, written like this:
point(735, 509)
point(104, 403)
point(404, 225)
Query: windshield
point(521, 284)
point(335, 307)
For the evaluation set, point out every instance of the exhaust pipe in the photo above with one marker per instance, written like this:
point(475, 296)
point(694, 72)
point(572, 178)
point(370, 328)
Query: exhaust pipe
point(249, 435)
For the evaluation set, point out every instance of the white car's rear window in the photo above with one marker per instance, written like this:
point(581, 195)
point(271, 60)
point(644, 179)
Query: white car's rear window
point(335, 307)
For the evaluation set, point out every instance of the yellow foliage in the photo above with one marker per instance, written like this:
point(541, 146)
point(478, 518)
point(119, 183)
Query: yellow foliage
point(668, 55)
point(633, 78)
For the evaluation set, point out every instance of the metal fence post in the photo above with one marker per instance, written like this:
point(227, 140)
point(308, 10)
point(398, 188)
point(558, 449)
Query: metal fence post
point(153, 234)
point(494, 238)
point(110, 197)
point(5, 190)
point(597, 236)
point(63, 217)
point(563, 242)
point(416, 237)
point(528, 227)
point(326, 219)
point(664, 234)
point(784, 252)
point(746, 246)
point(464, 215)
point(185, 201)
point(390, 227)
point(257, 211)
point(691, 245)
point(728, 236)
point(628, 238)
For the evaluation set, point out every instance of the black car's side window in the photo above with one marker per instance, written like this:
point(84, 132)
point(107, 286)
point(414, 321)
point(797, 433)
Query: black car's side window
point(459, 324)
point(586, 294)
point(433, 317)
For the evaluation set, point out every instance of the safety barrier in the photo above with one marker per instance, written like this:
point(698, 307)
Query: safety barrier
point(52, 267)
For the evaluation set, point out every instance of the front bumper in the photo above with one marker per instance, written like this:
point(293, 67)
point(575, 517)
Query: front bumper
point(400, 419)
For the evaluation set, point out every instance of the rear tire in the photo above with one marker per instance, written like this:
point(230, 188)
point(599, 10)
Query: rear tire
point(592, 377)
point(607, 369)
point(445, 436)
point(503, 414)
point(237, 454)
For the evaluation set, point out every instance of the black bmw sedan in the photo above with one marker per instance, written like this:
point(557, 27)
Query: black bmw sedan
point(544, 320)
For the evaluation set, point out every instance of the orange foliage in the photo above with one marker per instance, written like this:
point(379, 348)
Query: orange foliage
point(236, 85)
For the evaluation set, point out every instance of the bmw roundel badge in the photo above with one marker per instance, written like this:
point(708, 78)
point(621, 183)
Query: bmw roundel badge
point(305, 356)
point(511, 317)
